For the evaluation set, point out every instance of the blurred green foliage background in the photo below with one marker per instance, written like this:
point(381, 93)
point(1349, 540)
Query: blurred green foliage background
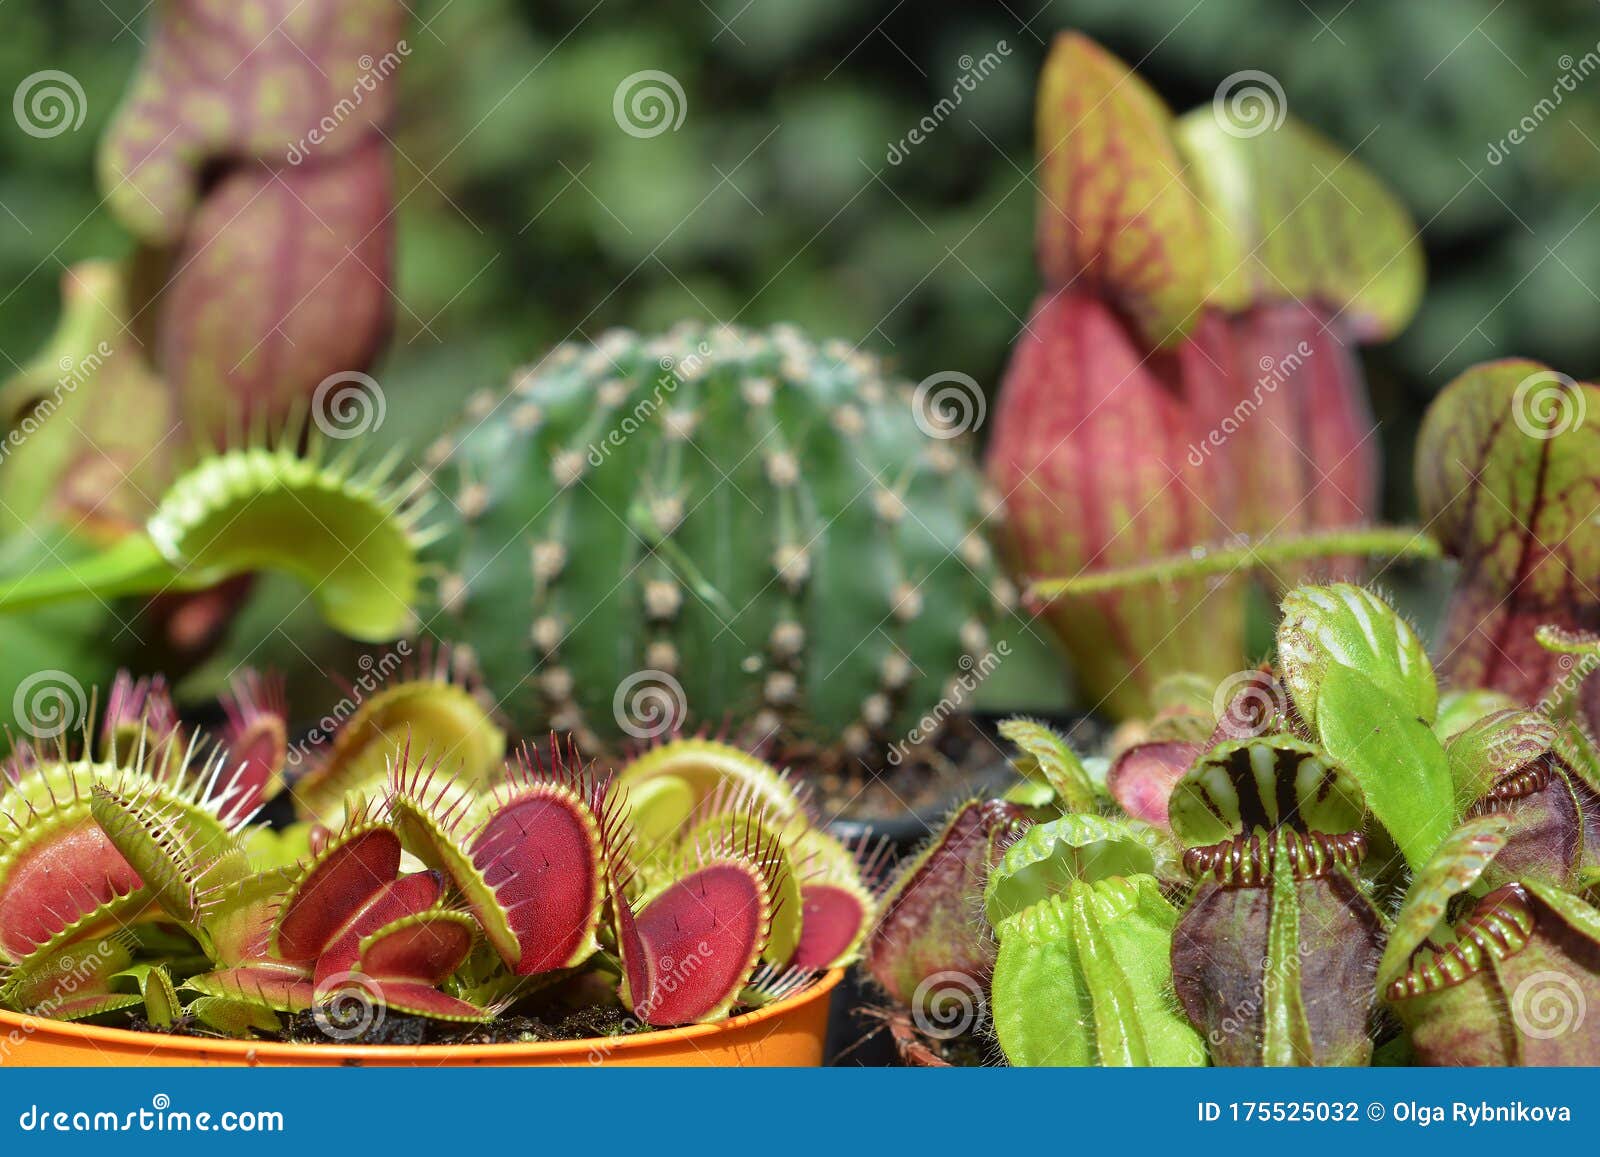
point(528, 216)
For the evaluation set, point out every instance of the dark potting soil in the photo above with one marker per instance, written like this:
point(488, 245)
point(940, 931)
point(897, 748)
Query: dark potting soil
point(967, 758)
point(401, 1029)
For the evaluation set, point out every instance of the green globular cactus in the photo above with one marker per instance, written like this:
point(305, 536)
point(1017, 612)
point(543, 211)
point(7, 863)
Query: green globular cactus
point(733, 525)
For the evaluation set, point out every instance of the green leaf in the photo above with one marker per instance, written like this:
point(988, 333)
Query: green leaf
point(1343, 624)
point(1374, 731)
point(1052, 757)
point(1294, 216)
point(1453, 868)
point(161, 1004)
point(1084, 978)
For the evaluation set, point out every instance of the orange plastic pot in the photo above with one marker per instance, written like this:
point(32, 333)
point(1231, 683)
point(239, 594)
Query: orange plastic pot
point(789, 1032)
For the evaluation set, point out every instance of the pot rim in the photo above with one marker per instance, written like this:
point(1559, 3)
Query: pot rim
point(248, 1050)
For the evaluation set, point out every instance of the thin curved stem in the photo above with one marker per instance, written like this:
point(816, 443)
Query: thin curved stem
point(1206, 562)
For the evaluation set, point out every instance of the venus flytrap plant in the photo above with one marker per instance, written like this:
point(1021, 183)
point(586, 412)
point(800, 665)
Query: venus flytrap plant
point(269, 505)
point(128, 884)
point(433, 707)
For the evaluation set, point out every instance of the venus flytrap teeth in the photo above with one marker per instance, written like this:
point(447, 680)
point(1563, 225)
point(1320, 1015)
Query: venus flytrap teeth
point(688, 949)
point(532, 871)
point(256, 738)
point(432, 708)
point(341, 525)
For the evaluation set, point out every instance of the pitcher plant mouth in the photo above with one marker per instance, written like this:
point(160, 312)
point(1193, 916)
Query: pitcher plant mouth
point(1497, 929)
point(1247, 861)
